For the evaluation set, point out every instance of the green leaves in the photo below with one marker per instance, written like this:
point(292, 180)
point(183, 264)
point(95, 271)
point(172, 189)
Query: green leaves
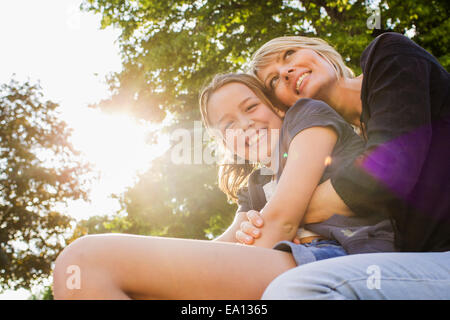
point(429, 20)
point(38, 168)
point(172, 47)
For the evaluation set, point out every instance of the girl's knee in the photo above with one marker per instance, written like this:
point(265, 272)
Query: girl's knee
point(71, 262)
point(75, 253)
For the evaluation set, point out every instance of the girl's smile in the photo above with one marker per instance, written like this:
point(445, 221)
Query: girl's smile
point(247, 126)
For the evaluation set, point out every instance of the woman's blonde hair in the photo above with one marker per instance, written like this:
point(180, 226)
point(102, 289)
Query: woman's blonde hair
point(264, 55)
point(234, 174)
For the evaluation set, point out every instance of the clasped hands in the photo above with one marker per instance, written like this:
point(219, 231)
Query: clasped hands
point(250, 229)
point(325, 202)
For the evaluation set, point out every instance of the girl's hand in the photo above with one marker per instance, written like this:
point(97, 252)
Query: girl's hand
point(249, 230)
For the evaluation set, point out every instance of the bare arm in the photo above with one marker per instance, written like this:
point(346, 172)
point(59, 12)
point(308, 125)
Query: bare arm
point(284, 212)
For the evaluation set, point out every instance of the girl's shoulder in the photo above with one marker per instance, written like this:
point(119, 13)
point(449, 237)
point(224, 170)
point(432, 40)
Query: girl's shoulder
point(307, 112)
point(308, 106)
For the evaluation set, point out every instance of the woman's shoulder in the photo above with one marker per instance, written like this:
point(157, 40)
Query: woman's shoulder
point(388, 38)
point(392, 44)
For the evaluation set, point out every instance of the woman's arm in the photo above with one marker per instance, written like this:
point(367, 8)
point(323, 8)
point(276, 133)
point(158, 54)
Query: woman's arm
point(398, 116)
point(305, 164)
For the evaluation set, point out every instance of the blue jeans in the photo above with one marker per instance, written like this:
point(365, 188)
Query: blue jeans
point(314, 251)
point(390, 275)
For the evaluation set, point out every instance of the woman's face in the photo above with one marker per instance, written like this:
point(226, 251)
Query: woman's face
point(248, 127)
point(298, 73)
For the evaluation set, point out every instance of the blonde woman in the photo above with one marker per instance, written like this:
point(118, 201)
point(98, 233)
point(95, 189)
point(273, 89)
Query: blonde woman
point(401, 103)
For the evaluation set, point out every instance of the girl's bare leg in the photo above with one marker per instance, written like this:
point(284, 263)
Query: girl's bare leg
point(118, 266)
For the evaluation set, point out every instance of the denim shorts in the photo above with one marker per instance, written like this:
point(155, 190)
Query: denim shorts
point(313, 251)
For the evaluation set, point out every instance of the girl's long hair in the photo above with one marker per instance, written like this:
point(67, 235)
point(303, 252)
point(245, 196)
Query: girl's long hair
point(233, 173)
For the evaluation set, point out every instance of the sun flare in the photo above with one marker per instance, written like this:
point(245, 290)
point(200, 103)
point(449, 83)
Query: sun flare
point(116, 145)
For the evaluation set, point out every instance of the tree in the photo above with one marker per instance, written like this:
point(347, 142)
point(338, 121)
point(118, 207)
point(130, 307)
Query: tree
point(46, 293)
point(169, 200)
point(430, 21)
point(38, 169)
point(171, 48)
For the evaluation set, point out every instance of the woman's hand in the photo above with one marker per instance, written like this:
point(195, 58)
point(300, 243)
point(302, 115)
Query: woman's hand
point(249, 229)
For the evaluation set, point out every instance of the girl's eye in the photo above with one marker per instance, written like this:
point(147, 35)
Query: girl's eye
point(227, 126)
point(287, 53)
point(251, 107)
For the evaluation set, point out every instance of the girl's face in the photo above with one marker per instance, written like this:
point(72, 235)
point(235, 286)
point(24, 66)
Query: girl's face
point(248, 127)
point(298, 73)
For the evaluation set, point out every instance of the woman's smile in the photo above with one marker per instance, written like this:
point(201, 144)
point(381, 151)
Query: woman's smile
point(301, 82)
point(300, 73)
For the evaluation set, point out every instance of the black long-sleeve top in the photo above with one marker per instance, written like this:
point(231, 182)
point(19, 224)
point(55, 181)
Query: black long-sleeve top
point(404, 170)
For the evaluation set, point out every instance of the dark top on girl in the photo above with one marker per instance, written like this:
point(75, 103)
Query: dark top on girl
point(404, 171)
point(360, 234)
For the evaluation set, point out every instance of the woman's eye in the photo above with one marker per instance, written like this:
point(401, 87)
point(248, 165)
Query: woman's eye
point(273, 82)
point(287, 53)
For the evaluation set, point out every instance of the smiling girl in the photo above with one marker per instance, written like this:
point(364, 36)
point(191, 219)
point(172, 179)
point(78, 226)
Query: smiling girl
point(303, 146)
point(298, 143)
